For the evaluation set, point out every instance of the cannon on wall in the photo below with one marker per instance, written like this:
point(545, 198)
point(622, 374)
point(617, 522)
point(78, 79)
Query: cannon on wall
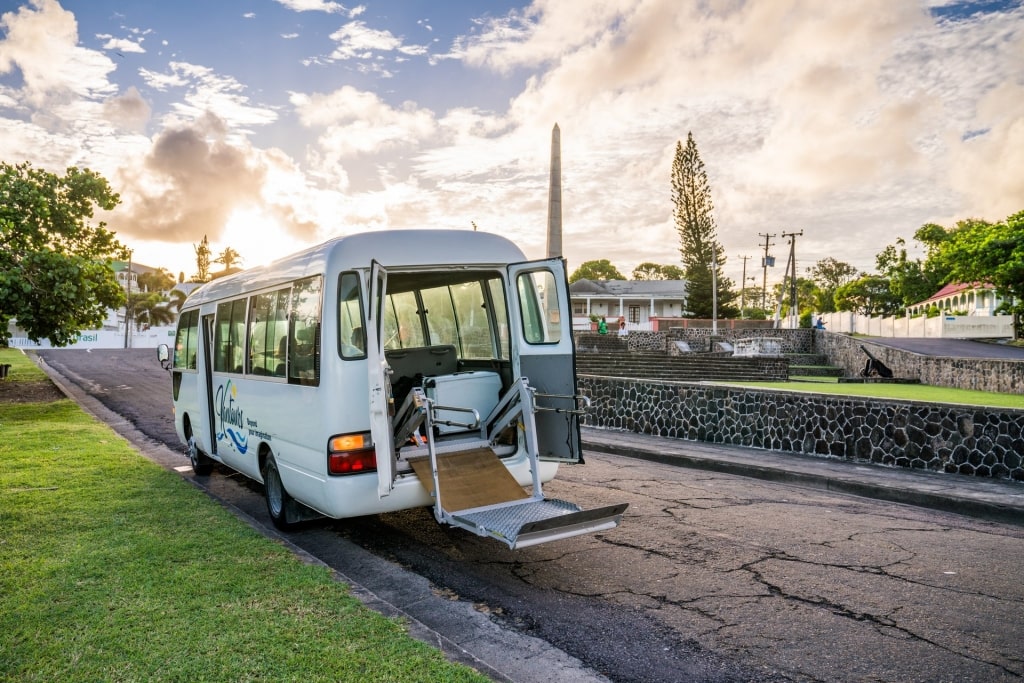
point(874, 367)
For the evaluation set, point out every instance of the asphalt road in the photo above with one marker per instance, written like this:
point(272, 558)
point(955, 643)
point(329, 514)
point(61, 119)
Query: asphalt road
point(950, 348)
point(711, 577)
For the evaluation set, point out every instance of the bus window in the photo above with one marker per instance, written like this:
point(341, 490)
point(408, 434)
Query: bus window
point(440, 315)
point(402, 327)
point(498, 316)
point(268, 333)
point(474, 321)
point(538, 302)
point(351, 329)
point(229, 338)
point(304, 335)
point(186, 342)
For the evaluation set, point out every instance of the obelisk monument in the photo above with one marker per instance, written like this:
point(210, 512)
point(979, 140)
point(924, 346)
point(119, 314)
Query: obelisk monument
point(555, 196)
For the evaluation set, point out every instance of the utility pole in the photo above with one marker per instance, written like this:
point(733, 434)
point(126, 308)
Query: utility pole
point(128, 301)
point(765, 262)
point(714, 290)
point(743, 287)
point(792, 280)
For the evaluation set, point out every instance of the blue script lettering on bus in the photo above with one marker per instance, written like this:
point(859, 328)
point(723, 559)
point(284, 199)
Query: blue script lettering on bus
point(232, 419)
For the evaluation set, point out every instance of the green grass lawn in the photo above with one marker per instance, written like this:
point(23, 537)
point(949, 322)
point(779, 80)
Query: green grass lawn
point(113, 569)
point(902, 392)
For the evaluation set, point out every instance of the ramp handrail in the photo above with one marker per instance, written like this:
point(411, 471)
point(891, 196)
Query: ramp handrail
point(575, 398)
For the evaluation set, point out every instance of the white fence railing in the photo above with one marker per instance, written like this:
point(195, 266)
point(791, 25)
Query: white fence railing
point(943, 326)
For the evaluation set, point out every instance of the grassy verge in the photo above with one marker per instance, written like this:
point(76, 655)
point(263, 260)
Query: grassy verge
point(112, 568)
point(902, 392)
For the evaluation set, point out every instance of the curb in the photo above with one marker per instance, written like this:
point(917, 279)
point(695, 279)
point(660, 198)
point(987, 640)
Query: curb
point(964, 502)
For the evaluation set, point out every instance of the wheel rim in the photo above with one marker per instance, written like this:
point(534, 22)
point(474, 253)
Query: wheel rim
point(193, 452)
point(274, 491)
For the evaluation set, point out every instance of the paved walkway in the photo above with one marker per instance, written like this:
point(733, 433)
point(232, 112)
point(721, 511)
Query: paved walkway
point(991, 499)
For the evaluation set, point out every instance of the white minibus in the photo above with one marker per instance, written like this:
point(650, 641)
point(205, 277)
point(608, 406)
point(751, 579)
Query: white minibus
point(389, 370)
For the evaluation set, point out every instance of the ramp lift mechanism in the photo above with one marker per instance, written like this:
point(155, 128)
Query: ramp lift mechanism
point(473, 490)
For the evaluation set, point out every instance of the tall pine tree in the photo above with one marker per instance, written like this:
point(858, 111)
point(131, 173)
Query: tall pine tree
point(698, 246)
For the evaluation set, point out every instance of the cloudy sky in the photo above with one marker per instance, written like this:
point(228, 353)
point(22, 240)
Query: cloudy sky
point(268, 125)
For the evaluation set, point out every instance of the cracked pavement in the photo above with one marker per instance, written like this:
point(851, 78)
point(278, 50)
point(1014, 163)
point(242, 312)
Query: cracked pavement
point(711, 577)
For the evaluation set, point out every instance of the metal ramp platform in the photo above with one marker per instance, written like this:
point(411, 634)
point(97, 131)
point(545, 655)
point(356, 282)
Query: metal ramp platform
point(479, 494)
point(530, 522)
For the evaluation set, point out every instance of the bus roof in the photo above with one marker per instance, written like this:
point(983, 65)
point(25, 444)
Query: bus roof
point(390, 248)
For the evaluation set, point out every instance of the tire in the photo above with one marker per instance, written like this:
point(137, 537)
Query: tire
point(279, 503)
point(202, 465)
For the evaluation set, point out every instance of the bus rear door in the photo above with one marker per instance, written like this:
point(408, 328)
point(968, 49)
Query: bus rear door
point(382, 404)
point(544, 353)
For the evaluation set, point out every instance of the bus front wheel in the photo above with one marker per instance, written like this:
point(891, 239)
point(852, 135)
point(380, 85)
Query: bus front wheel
point(279, 503)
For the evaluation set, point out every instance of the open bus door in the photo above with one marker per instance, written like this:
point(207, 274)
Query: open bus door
point(544, 353)
point(544, 394)
point(382, 403)
point(206, 368)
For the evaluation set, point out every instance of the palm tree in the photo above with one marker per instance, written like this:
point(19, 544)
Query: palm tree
point(178, 299)
point(150, 309)
point(228, 257)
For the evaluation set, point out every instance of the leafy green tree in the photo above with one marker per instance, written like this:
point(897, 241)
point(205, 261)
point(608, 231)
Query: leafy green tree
point(828, 275)
point(656, 271)
point(203, 254)
point(806, 291)
point(751, 300)
point(701, 253)
point(911, 280)
point(978, 251)
point(596, 270)
point(159, 280)
point(55, 266)
point(868, 295)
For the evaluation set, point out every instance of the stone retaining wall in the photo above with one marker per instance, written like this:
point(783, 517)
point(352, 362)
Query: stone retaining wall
point(700, 339)
point(981, 374)
point(984, 442)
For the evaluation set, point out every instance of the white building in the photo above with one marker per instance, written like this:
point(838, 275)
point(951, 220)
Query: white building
point(635, 301)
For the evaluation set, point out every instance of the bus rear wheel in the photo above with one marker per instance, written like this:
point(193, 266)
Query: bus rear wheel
point(201, 464)
point(279, 503)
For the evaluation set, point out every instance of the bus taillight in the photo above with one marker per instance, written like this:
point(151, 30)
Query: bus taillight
point(351, 454)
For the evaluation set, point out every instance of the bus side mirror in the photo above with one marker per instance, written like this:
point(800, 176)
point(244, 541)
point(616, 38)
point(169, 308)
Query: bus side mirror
point(163, 354)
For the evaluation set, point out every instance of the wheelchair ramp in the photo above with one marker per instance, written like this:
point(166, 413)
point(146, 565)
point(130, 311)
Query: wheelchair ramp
point(480, 495)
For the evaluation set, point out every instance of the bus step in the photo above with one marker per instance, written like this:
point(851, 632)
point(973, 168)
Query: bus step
point(521, 524)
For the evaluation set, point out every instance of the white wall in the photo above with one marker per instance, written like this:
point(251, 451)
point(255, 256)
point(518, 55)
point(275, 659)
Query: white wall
point(943, 326)
point(107, 339)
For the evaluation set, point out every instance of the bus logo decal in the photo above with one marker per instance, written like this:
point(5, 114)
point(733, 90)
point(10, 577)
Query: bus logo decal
point(232, 419)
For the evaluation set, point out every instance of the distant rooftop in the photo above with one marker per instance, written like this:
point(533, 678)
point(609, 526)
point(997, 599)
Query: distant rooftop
point(626, 288)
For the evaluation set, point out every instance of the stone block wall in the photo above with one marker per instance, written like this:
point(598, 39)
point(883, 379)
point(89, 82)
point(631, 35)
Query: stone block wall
point(984, 442)
point(980, 374)
point(701, 338)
